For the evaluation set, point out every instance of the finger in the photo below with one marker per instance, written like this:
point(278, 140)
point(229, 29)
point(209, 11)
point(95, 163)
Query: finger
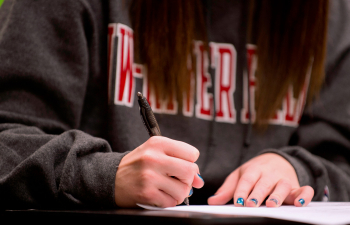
point(261, 190)
point(185, 171)
point(163, 200)
point(153, 195)
point(175, 148)
point(174, 188)
point(160, 190)
point(198, 181)
point(301, 196)
point(245, 185)
point(281, 191)
point(225, 192)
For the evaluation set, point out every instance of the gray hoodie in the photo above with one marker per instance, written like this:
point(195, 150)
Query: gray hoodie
point(69, 112)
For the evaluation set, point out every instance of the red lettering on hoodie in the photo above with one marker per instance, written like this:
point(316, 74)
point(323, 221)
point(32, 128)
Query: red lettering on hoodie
point(223, 61)
point(224, 57)
point(124, 82)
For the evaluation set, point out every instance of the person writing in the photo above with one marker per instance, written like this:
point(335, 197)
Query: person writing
point(250, 96)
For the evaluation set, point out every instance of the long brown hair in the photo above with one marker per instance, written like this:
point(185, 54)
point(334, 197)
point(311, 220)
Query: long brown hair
point(291, 39)
point(290, 36)
point(163, 33)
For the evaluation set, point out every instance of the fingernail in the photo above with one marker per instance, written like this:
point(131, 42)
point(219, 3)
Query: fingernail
point(191, 192)
point(254, 200)
point(240, 201)
point(302, 201)
point(200, 177)
point(274, 200)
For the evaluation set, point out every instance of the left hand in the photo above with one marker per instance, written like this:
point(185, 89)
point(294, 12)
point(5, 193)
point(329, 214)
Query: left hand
point(266, 175)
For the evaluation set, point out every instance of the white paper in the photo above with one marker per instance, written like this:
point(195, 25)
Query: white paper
point(314, 213)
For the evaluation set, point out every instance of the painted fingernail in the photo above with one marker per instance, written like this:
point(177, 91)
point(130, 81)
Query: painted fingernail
point(274, 200)
point(301, 201)
point(240, 201)
point(254, 200)
point(200, 177)
point(191, 192)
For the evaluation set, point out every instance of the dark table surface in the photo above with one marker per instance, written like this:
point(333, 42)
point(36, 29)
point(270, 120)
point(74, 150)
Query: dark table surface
point(127, 216)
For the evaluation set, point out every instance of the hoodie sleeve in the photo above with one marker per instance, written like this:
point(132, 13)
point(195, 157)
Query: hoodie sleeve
point(45, 52)
point(322, 156)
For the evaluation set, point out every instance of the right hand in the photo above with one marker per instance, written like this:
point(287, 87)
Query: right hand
point(160, 172)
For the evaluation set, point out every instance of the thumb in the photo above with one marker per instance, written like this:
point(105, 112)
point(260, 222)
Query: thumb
point(225, 192)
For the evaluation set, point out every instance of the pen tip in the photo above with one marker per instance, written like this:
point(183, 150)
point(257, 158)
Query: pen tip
point(187, 201)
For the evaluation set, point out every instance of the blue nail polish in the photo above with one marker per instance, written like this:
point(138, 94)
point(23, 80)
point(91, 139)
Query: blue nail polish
point(191, 192)
point(302, 201)
point(274, 200)
point(200, 177)
point(254, 200)
point(240, 201)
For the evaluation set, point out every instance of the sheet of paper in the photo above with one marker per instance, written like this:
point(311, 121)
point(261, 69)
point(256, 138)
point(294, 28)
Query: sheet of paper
point(314, 213)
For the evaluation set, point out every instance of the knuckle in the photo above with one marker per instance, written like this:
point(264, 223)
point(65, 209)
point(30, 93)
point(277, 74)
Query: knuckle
point(195, 168)
point(154, 141)
point(149, 158)
point(146, 195)
point(147, 177)
point(191, 168)
point(190, 171)
point(186, 167)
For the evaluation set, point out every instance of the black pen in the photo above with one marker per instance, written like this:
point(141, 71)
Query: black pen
point(150, 122)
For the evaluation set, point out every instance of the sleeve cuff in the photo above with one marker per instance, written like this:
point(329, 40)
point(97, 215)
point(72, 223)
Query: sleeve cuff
point(103, 180)
point(92, 183)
